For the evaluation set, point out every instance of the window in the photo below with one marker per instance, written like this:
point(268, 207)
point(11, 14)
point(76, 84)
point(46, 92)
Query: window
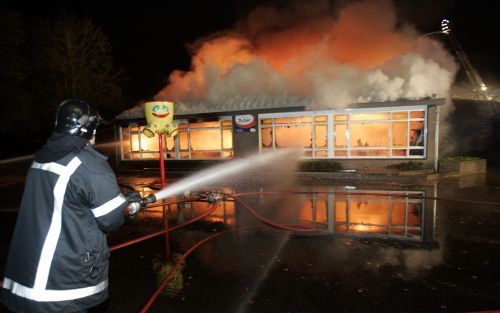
point(380, 134)
point(307, 132)
point(203, 140)
point(360, 133)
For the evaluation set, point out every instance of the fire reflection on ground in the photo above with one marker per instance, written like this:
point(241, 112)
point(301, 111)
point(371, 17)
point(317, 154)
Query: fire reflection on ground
point(391, 214)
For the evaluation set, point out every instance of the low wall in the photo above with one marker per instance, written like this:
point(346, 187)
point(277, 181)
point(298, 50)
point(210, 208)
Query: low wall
point(463, 167)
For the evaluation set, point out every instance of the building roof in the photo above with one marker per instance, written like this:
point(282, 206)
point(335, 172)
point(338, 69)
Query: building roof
point(264, 103)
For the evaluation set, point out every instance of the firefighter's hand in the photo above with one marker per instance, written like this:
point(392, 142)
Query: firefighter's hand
point(133, 196)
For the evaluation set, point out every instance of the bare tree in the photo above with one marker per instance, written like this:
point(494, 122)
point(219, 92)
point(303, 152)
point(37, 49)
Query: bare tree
point(74, 60)
point(15, 103)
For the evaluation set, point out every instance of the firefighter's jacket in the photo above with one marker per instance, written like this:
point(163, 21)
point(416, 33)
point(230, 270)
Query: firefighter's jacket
point(58, 259)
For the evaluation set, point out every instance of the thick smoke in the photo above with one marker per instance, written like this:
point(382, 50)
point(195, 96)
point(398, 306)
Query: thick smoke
point(313, 50)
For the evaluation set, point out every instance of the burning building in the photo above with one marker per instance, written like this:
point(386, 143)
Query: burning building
point(362, 135)
point(351, 84)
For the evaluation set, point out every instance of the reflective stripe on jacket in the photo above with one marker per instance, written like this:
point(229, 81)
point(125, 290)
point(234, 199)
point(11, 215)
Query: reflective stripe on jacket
point(58, 259)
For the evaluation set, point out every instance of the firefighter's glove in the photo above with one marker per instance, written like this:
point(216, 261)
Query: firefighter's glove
point(134, 206)
point(133, 196)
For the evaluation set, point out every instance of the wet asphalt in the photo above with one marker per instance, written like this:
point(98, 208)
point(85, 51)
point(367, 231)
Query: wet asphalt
point(257, 268)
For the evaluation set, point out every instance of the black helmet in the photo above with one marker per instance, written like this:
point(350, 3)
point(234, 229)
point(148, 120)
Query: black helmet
point(77, 117)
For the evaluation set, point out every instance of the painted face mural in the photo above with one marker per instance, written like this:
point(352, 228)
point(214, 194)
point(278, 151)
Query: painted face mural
point(160, 116)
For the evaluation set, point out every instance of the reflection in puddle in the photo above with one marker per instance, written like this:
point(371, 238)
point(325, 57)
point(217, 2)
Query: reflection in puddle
point(364, 212)
point(334, 210)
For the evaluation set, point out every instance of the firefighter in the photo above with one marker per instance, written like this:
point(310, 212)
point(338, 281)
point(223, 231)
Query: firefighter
point(58, 257)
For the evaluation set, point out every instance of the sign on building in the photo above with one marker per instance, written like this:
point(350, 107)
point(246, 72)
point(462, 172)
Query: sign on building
point(244, 123)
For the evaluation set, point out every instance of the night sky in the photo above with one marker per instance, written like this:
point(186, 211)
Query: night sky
point(149, 38)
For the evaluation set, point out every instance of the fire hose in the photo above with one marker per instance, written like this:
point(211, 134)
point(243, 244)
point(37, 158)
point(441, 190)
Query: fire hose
point(150, 199)
point(229, 197)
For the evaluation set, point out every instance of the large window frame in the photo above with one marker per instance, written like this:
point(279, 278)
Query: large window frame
point(349, 120)
point(133, 147)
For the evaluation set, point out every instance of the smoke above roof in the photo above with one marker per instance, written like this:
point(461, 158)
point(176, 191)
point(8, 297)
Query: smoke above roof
point(314, 50)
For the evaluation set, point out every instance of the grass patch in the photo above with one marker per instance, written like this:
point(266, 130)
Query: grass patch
point(407, 166)
point(319, 166)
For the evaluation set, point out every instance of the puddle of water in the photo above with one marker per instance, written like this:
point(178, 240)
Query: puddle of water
point(330, 210)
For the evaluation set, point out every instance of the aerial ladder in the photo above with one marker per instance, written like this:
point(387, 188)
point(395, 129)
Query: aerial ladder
point(478, 86)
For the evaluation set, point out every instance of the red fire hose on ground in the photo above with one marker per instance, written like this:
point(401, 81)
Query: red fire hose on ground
point(268, 222)
point(258, 216)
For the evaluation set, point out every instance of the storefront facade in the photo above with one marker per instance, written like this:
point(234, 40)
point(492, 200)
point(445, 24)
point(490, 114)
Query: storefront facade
point(363, 135)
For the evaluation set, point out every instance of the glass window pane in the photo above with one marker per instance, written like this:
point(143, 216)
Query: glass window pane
point(321, 154)
point(182, 125)
point(183, 141)
point(369, 116)
point(266, 136)
point(419, 152)
point(340, 135)
point(205, 140)
point(399, 134)
point(184, 155)
point(149, 155)
point(399, 152)
point(369, 152)
point(340, 117)
point(170, 143)
point(369, 135)
point(417, 134)
point(266, 121)
point(342, 153)
point(400, 116)
point(417, 114)
point(125, 140)
point(149, 144)
point(320, 118)
point(293, 136)
point(227, 123)
point(321, 136)
point(227, 139)
point(135, 142)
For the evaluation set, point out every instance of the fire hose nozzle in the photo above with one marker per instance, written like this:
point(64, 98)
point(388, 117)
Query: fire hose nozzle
point(212, 197)
point(148, 200)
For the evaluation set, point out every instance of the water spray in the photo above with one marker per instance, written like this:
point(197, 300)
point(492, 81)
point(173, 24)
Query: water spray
point(226, 170)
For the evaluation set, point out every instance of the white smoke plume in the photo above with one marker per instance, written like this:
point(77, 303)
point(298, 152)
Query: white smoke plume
point(314, 50)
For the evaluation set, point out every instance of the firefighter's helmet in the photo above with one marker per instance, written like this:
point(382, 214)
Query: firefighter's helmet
point(77, 117)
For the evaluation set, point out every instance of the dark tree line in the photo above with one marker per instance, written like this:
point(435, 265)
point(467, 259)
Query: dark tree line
point(43, 62)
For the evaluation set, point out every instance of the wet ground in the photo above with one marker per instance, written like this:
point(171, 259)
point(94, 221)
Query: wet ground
point(426, 255)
